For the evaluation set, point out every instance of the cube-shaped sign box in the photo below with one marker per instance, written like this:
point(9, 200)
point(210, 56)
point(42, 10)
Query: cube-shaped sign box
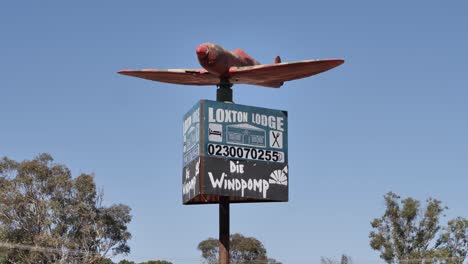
point(236, 151)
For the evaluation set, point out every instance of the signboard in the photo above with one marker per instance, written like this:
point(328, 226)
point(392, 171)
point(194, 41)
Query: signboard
point(236, 151)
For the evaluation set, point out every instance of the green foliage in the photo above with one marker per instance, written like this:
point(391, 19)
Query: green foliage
point(3, 256)
point(146, 262)
point(156, 262)
point(406, 233)
point(47, 216)
point(103, 261)
point(273, 261)
point(124, 261)
point(344, 260)
point(242, 250)
point(400, 233)
point(454, 239)
point(209, 249)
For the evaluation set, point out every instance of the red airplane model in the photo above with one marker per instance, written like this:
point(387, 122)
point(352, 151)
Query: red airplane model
point(235, 67)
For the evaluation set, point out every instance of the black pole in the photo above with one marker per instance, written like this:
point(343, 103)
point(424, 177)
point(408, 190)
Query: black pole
point(224, 91)
point(224, 230)
point(224, 94)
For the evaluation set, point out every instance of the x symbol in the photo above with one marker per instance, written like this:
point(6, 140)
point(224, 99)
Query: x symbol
point(275, 138)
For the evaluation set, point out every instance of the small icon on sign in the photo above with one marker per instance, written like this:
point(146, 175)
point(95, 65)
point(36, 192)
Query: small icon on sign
point(245, 134)
point(215, 132)
point(276, 139)
point(279, 176)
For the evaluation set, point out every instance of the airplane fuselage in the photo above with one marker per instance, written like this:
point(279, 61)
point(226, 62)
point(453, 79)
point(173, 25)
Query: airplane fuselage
point(217, 60)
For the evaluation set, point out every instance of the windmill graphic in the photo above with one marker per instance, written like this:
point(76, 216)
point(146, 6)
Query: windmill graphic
point(279, 177)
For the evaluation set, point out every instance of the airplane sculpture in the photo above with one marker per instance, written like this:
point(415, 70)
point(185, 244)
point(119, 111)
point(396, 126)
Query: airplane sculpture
point(235, 67)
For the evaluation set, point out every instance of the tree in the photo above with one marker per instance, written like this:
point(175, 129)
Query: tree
point(156, 262)
point(273, 261)
point(406, 233)
point(104, 261)
point(454, 239)
point(124, 261)
point(344, 260)
point(401, 233)
point(325, 260)
point(49, 217)
point(242, 250)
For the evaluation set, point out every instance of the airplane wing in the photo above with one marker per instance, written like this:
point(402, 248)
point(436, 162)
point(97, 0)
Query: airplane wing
point(273, 75)
point(177, 76)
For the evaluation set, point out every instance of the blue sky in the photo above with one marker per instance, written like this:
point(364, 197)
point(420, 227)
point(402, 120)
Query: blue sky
point(394, 117)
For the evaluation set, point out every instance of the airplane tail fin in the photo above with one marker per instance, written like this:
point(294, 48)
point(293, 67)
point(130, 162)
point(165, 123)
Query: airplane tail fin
point(277, 84)
point(277, 59)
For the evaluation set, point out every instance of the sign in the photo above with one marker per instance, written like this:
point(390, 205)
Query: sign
point(236, 151)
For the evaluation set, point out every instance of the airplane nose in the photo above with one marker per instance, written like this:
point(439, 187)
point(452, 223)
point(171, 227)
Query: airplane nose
point(202, 51)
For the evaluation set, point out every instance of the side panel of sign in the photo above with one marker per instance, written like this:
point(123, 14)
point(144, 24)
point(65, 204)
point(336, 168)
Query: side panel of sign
point(191, 134)
point(191, 154)
point(191, 180)
point(244, 132)
point(246, 179)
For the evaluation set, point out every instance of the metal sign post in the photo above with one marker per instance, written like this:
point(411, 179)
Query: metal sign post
point(224, 230)
point(224, 94)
